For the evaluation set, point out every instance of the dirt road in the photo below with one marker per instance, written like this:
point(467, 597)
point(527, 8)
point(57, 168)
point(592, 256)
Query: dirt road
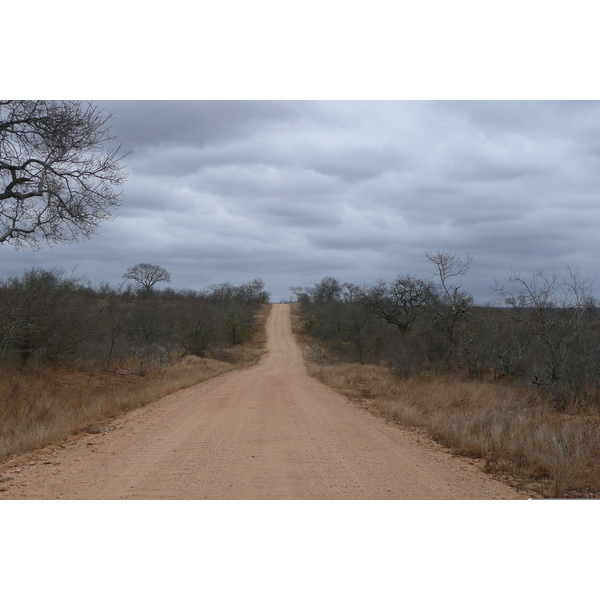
point(268, 432)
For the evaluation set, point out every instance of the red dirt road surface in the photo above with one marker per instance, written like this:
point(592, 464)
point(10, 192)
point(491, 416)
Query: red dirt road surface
point(267, 432)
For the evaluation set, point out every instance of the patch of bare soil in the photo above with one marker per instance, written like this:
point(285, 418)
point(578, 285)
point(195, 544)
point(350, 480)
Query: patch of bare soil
point(266, 432)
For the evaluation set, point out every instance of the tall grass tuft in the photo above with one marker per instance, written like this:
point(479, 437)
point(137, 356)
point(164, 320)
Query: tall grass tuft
point(513, 430)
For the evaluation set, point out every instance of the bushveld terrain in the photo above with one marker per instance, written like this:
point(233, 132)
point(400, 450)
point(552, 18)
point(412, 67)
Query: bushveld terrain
point(72, 356)
point(266, 432)
point(516, 385)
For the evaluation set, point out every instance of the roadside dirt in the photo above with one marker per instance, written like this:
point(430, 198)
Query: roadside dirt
point(266, 432)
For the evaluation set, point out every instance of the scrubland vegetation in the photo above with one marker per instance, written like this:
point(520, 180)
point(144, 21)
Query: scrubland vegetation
point(515, 383)
point(72, 355)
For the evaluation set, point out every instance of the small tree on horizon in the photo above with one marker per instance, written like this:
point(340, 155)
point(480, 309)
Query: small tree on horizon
point(147, 275)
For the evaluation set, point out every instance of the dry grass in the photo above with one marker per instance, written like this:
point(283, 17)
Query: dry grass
point(513, 430)
point(38, 407)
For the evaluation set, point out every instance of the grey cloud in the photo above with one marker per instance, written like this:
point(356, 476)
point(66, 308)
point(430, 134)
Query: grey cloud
point(163, 122)
point(287, 138)
point(264, 180)
point(348, 241)
point(183, 121)
point(543, 118)
point(295, 191)
point(296, 214)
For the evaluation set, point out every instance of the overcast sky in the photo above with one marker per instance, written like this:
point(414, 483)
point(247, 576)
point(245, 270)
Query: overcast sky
point(293, 191)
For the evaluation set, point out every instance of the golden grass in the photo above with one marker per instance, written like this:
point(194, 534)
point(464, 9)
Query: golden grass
point(40, 406)
point(512, 429)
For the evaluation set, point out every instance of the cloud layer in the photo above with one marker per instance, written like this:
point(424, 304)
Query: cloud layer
point(296, 191)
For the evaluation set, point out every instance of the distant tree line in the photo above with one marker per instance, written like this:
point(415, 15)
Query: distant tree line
point(542, 331)
point(47, 316)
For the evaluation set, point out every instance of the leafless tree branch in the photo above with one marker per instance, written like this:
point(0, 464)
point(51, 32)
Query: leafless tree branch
point(58, 177)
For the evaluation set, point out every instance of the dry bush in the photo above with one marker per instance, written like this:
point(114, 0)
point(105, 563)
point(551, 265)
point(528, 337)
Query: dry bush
point(512, 429)
point(39, 406)
point(564, 452)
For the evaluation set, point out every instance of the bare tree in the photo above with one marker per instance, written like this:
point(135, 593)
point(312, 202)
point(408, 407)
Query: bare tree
point(400, 303)
point(328, 289)
point(254, 292)
point(554, 312)
point(42, 314)
point(147, 275)
point(452, 305)
point(448, 265)
point(57, 179)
